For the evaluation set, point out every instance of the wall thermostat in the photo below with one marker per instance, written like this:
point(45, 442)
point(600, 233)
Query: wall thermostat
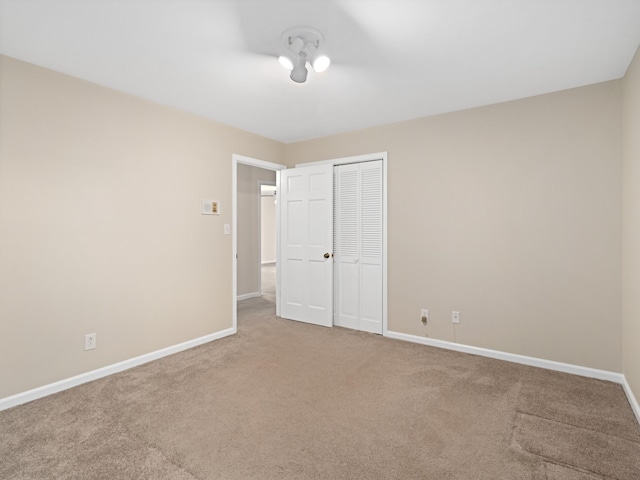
point(210, 207)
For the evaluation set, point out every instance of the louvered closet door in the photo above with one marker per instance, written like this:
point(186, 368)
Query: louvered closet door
point(358, 246)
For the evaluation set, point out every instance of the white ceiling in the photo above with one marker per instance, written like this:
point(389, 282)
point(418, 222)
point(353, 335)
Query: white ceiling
point(393, 60)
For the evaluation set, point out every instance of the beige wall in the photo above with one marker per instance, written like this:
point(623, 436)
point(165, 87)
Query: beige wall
point(631, 231)
point(100, 225)
point(510, 214)
point(248, 195)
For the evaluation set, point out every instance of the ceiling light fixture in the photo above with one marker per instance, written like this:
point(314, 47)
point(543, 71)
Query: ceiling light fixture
point(302, 45)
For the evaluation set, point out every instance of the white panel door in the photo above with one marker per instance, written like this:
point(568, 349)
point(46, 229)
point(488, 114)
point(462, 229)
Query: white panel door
point(306, 236)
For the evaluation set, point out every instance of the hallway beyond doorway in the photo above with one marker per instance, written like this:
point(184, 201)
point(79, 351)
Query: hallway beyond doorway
point(268, 272)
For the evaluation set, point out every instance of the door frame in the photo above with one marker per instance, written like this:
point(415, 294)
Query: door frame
point(359, 159)
point(253, 162)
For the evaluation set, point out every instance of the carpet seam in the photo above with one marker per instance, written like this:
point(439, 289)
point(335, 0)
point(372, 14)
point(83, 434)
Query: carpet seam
point(562, 464)
point(576, 426)
point(547, 461)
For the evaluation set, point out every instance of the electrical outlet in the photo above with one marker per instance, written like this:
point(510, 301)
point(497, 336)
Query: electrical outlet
point(424, 315)
point(90, 341)
point(455, 317)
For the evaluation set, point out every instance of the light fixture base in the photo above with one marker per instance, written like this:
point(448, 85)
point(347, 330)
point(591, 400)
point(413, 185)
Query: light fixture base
point(308, 34)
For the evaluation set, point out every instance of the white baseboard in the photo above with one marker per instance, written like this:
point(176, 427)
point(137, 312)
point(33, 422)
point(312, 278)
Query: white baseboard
point(524, 360)
point(248, 295)
point(67, 383)
point(632, 398)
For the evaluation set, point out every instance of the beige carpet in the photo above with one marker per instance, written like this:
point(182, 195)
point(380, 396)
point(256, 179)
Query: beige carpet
point(285, 400)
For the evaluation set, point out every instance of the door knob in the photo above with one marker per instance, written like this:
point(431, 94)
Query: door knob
point(327, 255)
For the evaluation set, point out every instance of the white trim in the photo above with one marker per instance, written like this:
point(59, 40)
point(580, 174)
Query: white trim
point(385, 190)
point(631, 397)
point(249, 295)
point(367, 157)
point(278, 273)
point(512, 357)
point(235, 159)
point(67, 383)
point(257, 163)
point(234, 241)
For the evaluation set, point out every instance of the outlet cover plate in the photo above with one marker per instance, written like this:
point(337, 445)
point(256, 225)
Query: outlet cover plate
point(90, 341)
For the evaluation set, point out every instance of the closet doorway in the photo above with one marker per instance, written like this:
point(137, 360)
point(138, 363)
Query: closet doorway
point(333, 268)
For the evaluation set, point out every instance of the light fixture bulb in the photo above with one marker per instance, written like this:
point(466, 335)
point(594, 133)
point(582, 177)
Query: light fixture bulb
point(285, 62)
point(321, 63)
point(299, 73)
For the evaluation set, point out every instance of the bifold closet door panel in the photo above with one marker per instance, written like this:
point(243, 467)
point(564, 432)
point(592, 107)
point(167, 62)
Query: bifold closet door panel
point(371, 247)
point(358, 246)
point(346, 251)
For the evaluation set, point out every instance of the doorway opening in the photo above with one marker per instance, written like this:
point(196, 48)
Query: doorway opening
point(247, 175)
